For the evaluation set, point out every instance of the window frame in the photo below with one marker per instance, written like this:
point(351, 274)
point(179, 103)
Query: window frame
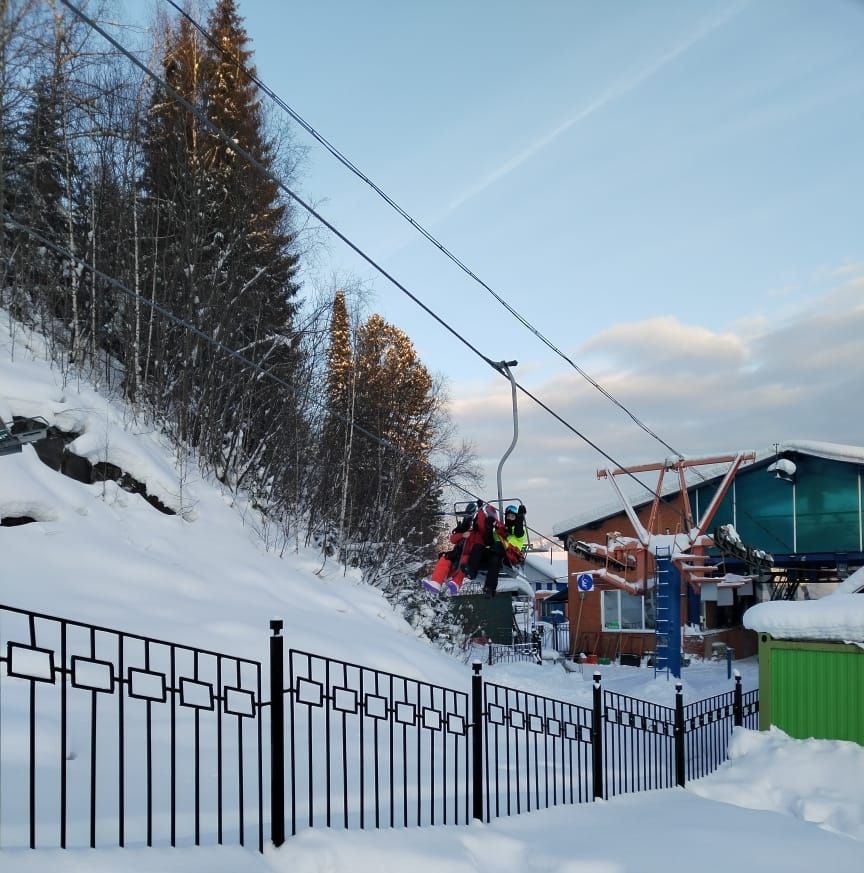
point(621, 630)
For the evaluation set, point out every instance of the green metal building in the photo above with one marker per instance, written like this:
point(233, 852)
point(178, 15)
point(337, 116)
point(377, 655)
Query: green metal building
point(811, 664)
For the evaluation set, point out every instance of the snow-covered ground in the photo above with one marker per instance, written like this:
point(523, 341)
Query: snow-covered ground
point(214, 575)
point(778, 806)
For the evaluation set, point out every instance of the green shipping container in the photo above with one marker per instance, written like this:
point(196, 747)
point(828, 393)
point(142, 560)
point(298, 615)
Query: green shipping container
point(812, 689)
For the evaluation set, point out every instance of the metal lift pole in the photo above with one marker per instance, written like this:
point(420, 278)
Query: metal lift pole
point(504, 367)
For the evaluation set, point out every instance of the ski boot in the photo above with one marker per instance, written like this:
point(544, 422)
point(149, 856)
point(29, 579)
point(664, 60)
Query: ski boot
point(434, 582)
point(454, 584)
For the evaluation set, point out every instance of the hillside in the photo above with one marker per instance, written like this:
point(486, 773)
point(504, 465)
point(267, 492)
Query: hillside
point(211, 575)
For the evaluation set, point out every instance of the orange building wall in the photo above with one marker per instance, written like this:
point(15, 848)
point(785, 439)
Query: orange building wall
point(584, 613)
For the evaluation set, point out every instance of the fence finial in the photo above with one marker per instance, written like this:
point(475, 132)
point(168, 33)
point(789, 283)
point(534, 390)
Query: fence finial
point(276, 625)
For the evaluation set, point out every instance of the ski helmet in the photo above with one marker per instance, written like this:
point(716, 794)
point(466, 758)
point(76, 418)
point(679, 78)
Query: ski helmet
point(512, 508)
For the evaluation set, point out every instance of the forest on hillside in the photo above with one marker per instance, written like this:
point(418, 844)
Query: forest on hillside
point(169, 269)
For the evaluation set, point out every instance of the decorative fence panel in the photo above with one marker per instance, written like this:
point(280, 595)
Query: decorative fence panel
point(537, 752)
point(113, 738)
point(707, 727)
point(638, 745)
point(370, 749)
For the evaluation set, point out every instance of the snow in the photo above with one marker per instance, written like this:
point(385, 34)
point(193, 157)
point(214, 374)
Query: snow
point(107, 433)
point(815, 780)
point(853, 584)
point(778, 806)
point(784, 465)
point(216, 573)
point(838, 616)
point(102, 555)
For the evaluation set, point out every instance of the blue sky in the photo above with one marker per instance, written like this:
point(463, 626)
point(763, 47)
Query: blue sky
point(648, 182)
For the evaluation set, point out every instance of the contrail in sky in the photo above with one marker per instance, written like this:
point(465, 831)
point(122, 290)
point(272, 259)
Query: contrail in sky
point(619, 89)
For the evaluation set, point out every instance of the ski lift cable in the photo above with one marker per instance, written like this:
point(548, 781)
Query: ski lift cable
point(364, 177)
point(420, 228)
point(239, 356)
point(272, 177)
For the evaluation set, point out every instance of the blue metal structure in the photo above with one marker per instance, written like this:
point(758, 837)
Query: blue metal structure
point(667, 622)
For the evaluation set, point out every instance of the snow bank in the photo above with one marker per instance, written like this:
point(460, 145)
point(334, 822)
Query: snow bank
point(818, 781)
point(839, 616)
point(675, 831)
point(212, 576)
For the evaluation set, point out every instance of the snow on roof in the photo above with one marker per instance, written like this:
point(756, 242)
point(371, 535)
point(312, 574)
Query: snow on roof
point(837, 617)
point(553, 568)
point(694, 476)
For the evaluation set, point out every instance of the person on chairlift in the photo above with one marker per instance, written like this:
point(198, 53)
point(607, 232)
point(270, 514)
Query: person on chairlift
point(503, 544)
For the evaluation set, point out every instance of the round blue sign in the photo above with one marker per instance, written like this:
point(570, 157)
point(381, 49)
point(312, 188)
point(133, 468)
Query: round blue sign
point(585, 582)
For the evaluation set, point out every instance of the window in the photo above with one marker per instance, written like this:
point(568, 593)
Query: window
point(622, 611)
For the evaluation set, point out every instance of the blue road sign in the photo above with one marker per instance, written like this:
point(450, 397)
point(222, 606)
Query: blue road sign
point(585, 582)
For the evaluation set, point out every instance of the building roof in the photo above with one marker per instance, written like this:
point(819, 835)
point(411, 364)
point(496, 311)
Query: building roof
point(552, 568)
point(829, 451)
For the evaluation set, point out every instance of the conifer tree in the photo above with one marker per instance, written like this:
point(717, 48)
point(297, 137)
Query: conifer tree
point(227, 251)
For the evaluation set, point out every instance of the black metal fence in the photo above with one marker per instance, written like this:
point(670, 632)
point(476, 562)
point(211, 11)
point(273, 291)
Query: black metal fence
point(500, 653)
point(556, 636)
point(108, 737)
point(638, 745)
point(537, 752)
point(113, 738)
point(708, 726)
point(368, 749)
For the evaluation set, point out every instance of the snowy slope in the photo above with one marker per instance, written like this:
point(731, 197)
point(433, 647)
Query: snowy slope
point(203, 577)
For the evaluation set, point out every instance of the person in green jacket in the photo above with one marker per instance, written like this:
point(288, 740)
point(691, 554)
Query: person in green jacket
point(506, 544)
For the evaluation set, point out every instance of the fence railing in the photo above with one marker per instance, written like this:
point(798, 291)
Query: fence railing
point(114, 738)
point(110, 737)
point(501, 653)
point(537, 751)
point(556, 636)
point(368, 748)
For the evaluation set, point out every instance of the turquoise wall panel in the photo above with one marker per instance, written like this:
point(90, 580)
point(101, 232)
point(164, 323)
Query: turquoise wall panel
point(827, 510)
point(764, 511)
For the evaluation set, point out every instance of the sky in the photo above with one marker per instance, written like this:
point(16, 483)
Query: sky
point(670, 191)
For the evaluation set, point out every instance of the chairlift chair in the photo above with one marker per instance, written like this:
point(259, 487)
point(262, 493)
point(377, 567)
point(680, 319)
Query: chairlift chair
point(507, 571)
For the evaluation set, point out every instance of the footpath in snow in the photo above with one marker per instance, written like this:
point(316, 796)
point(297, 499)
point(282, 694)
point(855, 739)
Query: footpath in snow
point(778, 806)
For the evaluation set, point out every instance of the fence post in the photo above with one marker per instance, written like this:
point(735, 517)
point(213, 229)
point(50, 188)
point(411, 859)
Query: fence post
point(679, 734)
point(738, 702)
point(477, 738)
point(277, 734)
point(597, 738)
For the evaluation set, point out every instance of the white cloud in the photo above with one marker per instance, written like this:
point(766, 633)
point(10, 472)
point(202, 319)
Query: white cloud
point(702, 390)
